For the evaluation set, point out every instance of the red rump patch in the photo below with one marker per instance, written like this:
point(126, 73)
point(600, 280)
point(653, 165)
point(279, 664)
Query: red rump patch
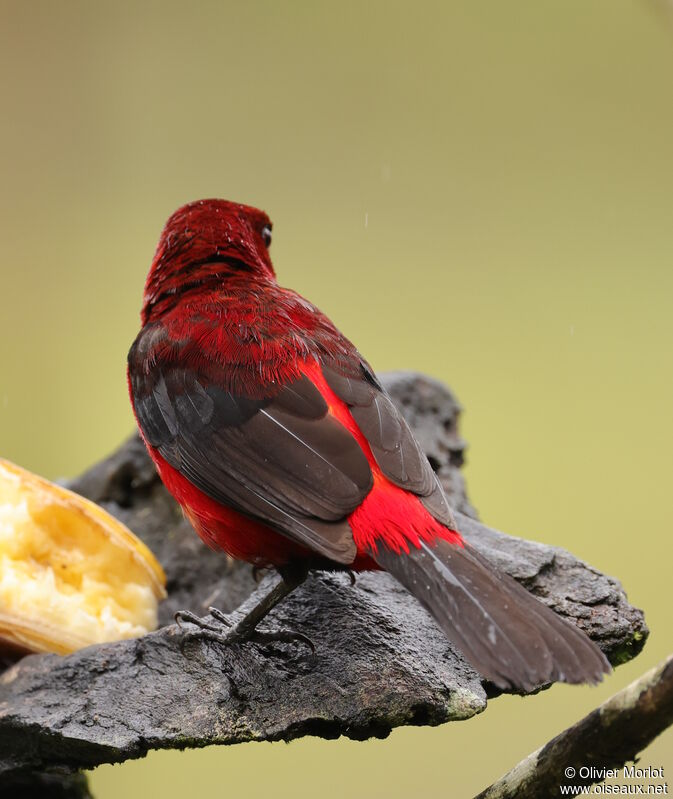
point(395, 519)
point(389, 516)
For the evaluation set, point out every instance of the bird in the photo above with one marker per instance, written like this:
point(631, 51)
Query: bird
point(284, 450)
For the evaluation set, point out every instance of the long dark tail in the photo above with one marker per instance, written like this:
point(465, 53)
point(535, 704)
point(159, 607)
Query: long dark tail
point(509, 637)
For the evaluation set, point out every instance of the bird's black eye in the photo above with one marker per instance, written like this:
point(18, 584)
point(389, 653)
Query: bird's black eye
point(266, 235)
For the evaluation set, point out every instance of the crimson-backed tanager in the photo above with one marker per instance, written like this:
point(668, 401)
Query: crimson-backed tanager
point(283, 449)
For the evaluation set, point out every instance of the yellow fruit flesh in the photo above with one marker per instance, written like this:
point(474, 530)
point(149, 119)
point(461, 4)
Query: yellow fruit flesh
point(70, 574)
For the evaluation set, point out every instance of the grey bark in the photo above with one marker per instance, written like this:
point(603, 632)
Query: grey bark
point(380, 662)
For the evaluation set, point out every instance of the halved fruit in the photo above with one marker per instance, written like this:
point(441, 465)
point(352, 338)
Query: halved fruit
point(70, 574)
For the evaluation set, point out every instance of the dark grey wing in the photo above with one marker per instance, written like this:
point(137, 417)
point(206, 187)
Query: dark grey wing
point(393, 445)
point(280, 458)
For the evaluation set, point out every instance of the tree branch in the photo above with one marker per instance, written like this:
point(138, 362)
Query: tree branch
point(607, 738)
point(381, 660)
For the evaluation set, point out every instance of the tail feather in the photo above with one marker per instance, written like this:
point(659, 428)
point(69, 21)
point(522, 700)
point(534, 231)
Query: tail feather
point(509, 636)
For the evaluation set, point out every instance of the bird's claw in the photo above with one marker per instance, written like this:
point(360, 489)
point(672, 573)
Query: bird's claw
point(284, 636)
point(234, 633)
point(216, 613)
point(191, 618)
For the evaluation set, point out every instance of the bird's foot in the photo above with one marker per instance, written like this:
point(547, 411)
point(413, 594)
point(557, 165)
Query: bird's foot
point(258, 573)
point(223, 630)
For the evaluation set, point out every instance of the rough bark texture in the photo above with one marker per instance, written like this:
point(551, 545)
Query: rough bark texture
point(610, 736)
point(380, 659)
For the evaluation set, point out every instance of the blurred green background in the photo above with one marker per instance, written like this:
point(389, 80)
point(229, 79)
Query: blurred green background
point(478, 190)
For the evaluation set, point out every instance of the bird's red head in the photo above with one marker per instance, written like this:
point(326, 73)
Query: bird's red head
point(203, 242)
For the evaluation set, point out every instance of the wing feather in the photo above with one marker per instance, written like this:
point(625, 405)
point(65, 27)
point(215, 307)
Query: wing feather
point(393, 445)
point(281, 458)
